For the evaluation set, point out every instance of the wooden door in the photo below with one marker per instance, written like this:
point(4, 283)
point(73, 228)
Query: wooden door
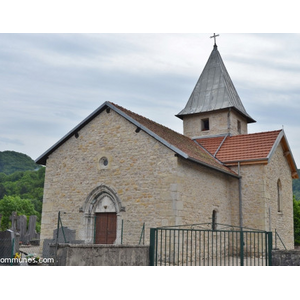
point(105, 228)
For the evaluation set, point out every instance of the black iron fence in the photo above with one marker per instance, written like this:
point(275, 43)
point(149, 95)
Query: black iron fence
point(202, 245)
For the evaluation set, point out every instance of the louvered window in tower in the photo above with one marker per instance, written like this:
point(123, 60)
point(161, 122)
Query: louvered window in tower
point(205, 124)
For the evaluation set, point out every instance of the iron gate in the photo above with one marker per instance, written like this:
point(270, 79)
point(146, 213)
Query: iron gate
point(204, 245)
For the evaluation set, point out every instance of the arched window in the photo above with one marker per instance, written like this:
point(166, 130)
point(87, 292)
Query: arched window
point(279, 196)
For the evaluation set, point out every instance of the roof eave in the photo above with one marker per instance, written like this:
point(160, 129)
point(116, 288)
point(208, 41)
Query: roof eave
point(232, 173)
point(42, 160)
point(247, 117)
point(151, 133)
point(170, 146)
point(254, 161)
point(281, 138)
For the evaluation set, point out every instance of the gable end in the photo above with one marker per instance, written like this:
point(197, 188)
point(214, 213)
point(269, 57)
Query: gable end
point(281, 139)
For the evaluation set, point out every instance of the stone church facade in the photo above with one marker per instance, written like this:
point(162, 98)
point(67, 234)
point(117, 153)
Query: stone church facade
point(118, 170)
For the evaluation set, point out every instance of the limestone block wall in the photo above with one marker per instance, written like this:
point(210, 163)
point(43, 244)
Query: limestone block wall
point(281, 219)
point(100, 255)
point(234, 117)
point(260, 197)
point(133, 160)
point(286, 258)
point(149, 183)
point(220, 122)
point(253, 195)
point(202, 190)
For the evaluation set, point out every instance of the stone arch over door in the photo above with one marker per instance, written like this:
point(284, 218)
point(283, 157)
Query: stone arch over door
point(102, 200)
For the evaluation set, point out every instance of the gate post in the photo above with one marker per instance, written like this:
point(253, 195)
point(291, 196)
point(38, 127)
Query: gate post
point(270, 244)
point(242, 247)
point(152, 246)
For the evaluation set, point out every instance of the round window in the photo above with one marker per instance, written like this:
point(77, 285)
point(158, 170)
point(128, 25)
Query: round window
point(103, 162)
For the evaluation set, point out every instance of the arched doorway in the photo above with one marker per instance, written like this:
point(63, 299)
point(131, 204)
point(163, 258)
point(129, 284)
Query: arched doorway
point(102, 216)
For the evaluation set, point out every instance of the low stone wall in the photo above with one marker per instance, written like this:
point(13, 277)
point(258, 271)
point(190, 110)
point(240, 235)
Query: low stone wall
point(100, 255)
point(286, 258)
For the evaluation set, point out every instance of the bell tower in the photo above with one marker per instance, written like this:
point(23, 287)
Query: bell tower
point(214, 107)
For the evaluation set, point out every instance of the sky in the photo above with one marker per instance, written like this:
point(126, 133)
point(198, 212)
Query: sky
point(50, 82)
point(60, 60)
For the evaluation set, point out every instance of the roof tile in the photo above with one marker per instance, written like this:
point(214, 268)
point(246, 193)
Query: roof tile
point(181, 142)
point(242, 147)
point(211, 144)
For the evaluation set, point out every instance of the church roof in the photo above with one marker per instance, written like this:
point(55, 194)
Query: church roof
point(214, 90)
point(180, 144)
point(248, 148)
point(219, 152)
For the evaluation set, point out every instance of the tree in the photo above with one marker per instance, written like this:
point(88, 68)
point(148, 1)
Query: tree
point(14, 203)
point(296, 205)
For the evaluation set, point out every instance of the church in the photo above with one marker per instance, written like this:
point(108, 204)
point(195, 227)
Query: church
point(118, 173)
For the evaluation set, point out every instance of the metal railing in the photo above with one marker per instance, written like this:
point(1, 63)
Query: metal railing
point(277, 237)
point(128, 232)
point(199, 245)
point(142, 237)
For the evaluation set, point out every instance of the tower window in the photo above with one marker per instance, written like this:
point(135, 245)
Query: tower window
point(204, 124)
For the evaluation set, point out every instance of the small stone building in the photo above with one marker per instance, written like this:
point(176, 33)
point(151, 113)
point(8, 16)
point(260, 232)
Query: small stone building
point(118, 171)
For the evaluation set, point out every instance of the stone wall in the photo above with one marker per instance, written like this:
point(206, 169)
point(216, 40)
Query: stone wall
point(220, 122)
point(150, 184)
point(286, 258)
point(253, 195)
point(202, 190)
point(100, 255)
point(260, 197)
point(279, 170)
point(118, 255)
point(140, 173)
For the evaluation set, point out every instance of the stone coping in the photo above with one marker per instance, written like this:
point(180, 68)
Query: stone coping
point(63, 245)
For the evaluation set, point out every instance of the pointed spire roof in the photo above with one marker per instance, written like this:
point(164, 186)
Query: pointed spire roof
point(214, 90)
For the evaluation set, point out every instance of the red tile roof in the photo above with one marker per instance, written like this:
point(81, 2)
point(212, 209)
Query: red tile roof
point(177, 140)
point(211, 144)
point(235, 148)
point(241, 147)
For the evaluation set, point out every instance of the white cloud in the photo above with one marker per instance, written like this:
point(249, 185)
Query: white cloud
point(49, 83)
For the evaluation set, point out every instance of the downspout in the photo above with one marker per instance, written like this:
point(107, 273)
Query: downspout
point(240, 197)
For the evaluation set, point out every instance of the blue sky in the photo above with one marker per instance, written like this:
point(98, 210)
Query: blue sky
point(51, 82)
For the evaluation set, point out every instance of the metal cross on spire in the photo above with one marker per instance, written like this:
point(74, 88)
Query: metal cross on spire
point(214, 36)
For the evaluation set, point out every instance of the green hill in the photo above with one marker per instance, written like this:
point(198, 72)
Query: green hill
point(11, 161)
point(21, 187)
